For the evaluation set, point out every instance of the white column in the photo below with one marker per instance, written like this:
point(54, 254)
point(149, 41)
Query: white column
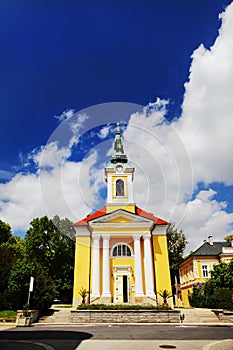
point(96, 267)
point(138, 267)
point(148, 266)
point(106, 269)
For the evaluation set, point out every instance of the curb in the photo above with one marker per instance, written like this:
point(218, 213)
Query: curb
point(226, 344)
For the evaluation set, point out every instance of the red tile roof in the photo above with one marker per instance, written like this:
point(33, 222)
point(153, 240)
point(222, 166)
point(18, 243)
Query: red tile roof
point(147, 215)
point(94, 215)
point(102, 212)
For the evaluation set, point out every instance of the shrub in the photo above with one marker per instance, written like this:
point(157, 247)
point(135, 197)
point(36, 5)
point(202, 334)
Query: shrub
point(222, 298)
point(209, 296)
point(197, 298)
point(120, 307)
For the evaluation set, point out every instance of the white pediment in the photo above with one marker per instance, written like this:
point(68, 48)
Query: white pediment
point(123, 218)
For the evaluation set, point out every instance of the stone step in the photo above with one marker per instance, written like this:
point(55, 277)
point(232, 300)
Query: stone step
point(58, 316)
point(199, 316)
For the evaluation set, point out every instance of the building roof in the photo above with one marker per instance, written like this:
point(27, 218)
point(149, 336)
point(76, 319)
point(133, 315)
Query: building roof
point(207, 249)
point(102, 212)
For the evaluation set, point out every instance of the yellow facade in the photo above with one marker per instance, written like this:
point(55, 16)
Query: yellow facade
point(161, 264)
point(121, 250)
point(128, 207)
point(198, 266)
point(82, 266)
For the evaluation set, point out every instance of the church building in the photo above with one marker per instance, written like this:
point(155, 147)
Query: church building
point(121, 250)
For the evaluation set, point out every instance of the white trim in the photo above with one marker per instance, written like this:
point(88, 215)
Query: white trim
point(106, 267)
point(138, 266)
point(81, 231)
point(148, 266)
point(114, 195)
point(122, 256)
point(96, 267)
point(160, 229)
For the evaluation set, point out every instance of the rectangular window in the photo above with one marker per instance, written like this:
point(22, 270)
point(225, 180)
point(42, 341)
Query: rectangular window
point(195, 269)
point(205, 272)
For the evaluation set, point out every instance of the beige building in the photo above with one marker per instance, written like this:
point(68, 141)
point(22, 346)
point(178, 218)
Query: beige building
point(197, 266)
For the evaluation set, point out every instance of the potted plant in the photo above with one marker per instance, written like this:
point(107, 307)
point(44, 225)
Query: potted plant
point(24, 318)
point(83, 293)
point(165, 294)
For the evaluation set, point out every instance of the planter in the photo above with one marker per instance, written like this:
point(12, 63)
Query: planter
point(23, 321)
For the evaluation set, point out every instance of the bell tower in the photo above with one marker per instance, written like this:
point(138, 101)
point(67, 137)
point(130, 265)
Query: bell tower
point(119, 178)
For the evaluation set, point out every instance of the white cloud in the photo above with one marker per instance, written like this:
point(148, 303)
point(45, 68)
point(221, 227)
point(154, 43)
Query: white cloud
point(50, 155)
point(65, 115)
point(5, 175)
point(171, 159)
point(174, 158)
point(205, 216)
point(206, 124)
point(104, 132)
point(66, 190)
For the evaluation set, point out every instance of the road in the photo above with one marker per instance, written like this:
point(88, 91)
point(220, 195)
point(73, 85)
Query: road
point(112, 337)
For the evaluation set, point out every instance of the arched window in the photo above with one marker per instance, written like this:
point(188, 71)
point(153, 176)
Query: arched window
point(120, 191)
point(121, 249)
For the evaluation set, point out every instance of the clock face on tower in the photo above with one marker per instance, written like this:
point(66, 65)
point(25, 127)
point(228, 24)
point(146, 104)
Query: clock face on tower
point(119, 168)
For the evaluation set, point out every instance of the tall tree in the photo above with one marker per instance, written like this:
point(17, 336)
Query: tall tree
point(222, 275)
point(11, 250)
point(5, 232)
point(18, 286)
point(176, 242)
point(50, 243)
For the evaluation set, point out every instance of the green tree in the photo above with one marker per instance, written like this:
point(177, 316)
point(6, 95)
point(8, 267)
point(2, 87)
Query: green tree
point(18, 286)
point(222, 275)
point(5, 232)
point(217, 292)
point(50, 243)
point(18, 283)
point(11, 250)
point(176, 242)
point(229, 238)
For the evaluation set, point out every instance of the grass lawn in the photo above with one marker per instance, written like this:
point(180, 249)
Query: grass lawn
point(7, 314)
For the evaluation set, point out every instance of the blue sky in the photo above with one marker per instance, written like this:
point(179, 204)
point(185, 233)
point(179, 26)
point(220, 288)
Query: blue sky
point(60, 58)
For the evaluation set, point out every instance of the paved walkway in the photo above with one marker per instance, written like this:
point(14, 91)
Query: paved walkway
point(192, 316)
point(155, 345)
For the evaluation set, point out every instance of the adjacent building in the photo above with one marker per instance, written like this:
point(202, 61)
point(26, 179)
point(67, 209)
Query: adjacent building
point(121, 250)
point(197, 266)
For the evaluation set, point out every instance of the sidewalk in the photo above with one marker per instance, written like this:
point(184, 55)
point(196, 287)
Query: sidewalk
point(6, 325)
point(155, 345)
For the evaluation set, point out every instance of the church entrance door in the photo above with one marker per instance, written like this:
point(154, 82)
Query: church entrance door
point(121, 286)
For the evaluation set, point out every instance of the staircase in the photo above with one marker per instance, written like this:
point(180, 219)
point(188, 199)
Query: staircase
point(196, 315)
point(199, 315)
point(58, 316)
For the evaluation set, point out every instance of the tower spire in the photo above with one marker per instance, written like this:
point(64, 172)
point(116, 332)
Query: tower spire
point(118, 155)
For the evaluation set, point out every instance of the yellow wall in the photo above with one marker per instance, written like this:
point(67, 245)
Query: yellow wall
point(81, 268)
point(184, 295)
point(111, 208)
point(161, 265)
point(82, 264)
point(189, 277)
